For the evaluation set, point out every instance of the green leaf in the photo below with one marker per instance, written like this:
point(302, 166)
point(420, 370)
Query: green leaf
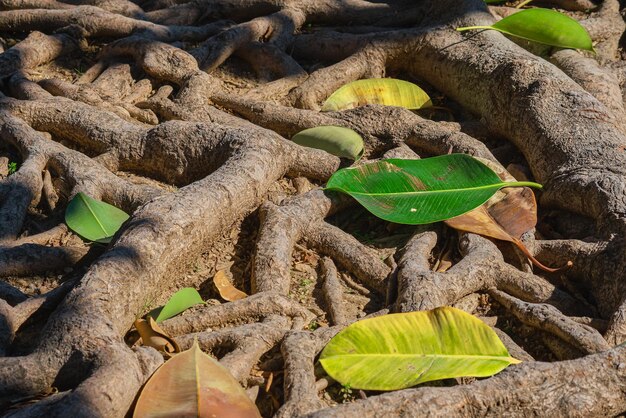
point(180, 301)
point(342, 142)
point(544, 26)
point(385, 91)
point(398, 351)
point(420, 191)
point(92, 219)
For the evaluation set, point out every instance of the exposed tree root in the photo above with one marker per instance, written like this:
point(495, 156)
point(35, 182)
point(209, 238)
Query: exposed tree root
point(159, 104)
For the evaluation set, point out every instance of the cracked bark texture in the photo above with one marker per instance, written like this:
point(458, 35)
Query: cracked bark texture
point(158, 101)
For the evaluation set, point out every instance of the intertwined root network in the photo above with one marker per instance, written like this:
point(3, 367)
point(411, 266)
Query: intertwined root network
point(205, 150)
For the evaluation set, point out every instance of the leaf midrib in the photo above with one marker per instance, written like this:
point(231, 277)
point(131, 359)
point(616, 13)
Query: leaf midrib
point(479, 357)
point(422, 192)
point(86, 202)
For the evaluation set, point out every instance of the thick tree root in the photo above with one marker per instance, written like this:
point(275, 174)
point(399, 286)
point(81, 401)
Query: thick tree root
point(158, 103)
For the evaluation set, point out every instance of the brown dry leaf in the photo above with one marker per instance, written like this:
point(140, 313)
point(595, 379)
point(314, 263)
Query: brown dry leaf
point(193, 384)
point(152, 335)
point(226, 289)
point(506, 216)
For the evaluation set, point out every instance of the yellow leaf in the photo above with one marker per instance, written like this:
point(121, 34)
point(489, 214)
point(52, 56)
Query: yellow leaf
point(385, 91)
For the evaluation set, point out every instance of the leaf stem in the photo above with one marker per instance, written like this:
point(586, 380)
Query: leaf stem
point(473, 27)
point(523, 184)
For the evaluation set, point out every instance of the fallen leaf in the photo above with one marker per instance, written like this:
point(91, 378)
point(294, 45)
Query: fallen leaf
point(193, 384)
point(414, 192)
point(92, 219)
point(544, 26)
point(506, 216)
point(153, 336)
point(384, 91)
point(397, 351)
point(179, 302)
point(226, 289)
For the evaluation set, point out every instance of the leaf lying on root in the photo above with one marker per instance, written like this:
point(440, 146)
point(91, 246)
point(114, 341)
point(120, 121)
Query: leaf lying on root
point(544, 26)
point(193, 384)
point(226, 289)
point(92, 219)
point(420, 191)
point(398, 351)
point(336, 140)
point(506, 216)
point(180, 301)
point(153, 336)
point(384, 91)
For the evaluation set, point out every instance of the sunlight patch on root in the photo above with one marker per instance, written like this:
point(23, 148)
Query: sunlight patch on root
point(257, 307)
point(333, 293)
point(245, 344)
point(302, 217)
point(299, 350)
point(548, 318)
point(482, 267)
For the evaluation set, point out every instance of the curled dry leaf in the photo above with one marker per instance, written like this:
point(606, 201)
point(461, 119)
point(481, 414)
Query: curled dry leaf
point(226, 289)
point(152, 335)
point(193, 384)
point(506, 216)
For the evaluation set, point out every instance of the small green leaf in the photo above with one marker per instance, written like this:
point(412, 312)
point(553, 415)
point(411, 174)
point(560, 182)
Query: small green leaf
point(420, 191)
point(544, 26)
point(385, 91)
point(92, 219)
point(12, 167)
point(398, 351)
point(180, 301)
point(342, 142)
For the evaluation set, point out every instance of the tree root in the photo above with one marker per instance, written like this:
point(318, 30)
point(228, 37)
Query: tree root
point(147, 107)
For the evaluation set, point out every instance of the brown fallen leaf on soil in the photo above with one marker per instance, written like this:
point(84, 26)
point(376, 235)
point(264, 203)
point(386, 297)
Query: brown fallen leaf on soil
point(152, 335)
point(226, 289)
point(193, 384)
point(506, 216)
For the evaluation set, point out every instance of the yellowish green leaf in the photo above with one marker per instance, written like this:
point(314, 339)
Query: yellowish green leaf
point(402, 350)
point(336, 140)
point(384, 91)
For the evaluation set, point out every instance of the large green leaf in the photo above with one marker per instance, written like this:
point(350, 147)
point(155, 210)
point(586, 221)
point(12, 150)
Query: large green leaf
point(92, 219)
point(385, 91)
point(342, 142)
point(402, 350)
point(180, 301)
point(544, 26)
point(420, 191)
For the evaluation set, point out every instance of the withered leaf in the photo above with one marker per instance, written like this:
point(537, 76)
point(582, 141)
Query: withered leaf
point(226, 289)
point(152, 335)
point(506, 216)
point(193, 384)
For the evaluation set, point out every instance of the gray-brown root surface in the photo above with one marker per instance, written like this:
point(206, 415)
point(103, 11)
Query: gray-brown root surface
point(180, 113)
